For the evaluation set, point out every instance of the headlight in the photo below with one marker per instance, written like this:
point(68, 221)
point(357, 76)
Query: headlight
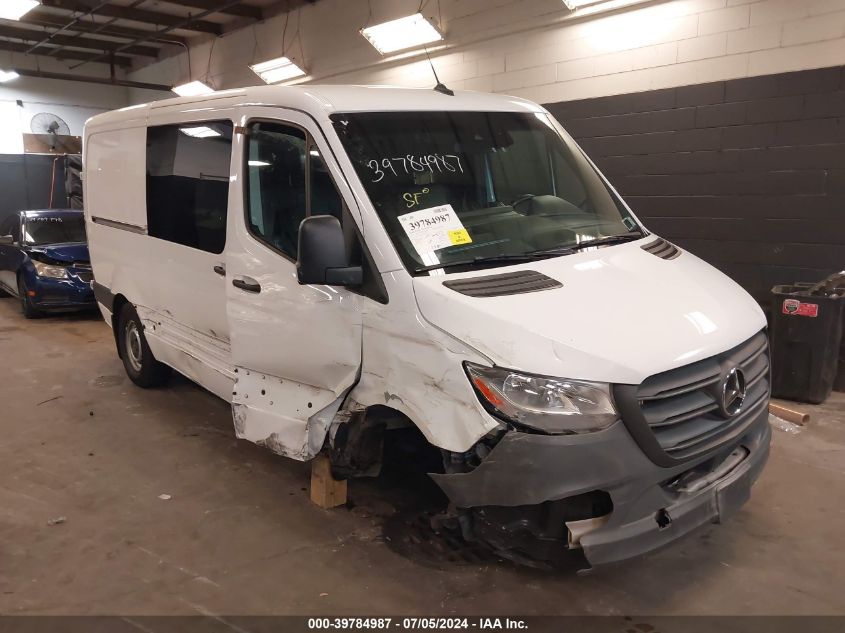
point(552, 405)
point(49, 270)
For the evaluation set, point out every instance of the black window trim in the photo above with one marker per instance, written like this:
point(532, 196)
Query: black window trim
point(146, 231)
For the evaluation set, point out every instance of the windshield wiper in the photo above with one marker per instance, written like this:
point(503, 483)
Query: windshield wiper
point(601, 241)
point(535, 255)
point(517, 258)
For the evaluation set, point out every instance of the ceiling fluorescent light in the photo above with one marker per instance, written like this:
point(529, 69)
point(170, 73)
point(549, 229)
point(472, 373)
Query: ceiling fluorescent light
point(396, 35)
point(16, 9)
point(276, 70)
point(7, 75)
point(199, 131)
point(193, 89)
point(588, 7)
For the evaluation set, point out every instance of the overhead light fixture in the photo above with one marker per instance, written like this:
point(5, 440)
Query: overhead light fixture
point(396, 35)
point(8, 75)
point(276, 70)
point(588, 7)
point(16, 9)
point(193, 89)
point(200, 131)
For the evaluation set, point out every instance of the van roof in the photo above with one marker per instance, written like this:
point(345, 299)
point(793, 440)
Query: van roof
point(326, 99)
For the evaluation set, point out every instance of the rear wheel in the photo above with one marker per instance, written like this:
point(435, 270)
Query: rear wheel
point(29, 311)
point(138, 360)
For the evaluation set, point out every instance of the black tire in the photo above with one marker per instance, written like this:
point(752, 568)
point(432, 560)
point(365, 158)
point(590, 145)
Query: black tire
point(138, 360)
point(29, 310)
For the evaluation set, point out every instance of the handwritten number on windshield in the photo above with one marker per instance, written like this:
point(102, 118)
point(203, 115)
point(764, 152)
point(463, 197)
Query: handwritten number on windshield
point(410, 164)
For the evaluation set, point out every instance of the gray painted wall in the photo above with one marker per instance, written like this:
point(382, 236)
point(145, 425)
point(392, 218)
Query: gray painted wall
point(748, 174)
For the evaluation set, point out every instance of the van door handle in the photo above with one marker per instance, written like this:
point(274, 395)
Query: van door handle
point(247, 283)
point(220, 269)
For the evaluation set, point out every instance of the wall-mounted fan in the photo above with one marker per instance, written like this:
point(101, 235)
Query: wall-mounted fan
point(47, 123)
point(51, 130)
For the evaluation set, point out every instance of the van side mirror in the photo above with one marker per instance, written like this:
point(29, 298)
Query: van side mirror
point(7, 239)
point(322, 254)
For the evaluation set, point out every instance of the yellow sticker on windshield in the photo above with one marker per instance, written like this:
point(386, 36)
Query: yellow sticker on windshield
point(459, 236)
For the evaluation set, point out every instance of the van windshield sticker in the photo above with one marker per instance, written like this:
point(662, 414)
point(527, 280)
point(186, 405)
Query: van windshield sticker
point(410, 164)
point(432, 229)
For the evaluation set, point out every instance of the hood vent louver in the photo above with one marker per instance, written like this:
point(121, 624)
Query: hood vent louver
point(504, 284)
point(662, 249)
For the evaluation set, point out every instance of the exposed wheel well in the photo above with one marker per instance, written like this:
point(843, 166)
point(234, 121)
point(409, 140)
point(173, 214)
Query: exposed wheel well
point(116, 307)
point(362, 443)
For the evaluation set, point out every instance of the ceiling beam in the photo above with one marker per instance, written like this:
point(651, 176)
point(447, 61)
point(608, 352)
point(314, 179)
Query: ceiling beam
point(167, 29)
point(136, 15)
point(92, 80)
point(46, 19)
point(242, 10)
point(15, 47)
point(33, 35)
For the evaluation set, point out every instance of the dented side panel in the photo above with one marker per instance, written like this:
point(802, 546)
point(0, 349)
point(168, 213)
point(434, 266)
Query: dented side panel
point(416, 368)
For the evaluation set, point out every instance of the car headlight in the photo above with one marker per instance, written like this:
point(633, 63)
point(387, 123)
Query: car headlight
point(544, 403)
point(49, 270)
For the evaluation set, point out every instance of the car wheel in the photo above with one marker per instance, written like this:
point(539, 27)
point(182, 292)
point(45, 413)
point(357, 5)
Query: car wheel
point(138, 360)
point(29, 311)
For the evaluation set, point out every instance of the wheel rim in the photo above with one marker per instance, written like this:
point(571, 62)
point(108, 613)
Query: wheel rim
point(132, 338)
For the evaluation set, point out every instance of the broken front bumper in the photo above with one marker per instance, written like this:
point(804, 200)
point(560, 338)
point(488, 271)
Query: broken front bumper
point(527, 469)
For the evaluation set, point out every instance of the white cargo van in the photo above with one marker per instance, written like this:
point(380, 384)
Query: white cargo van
point(338, 262)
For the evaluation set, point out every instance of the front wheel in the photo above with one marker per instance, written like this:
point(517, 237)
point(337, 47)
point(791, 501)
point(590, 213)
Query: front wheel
point(138, 360)
point(29, 310)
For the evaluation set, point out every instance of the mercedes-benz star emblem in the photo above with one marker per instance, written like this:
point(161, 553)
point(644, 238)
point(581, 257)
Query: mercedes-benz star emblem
point(733, 393)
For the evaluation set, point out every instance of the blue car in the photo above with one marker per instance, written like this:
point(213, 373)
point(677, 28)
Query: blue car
point(44, 261)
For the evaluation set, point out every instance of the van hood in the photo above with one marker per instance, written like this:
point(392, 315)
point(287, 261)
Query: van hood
point(64, 253)
point(621, 314)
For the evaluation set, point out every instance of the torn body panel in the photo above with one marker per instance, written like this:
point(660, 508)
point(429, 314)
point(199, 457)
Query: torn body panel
point(416, 368)
point(290, 419)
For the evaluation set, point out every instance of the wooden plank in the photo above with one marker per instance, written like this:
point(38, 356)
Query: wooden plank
point(790, 415)
point(326, 491)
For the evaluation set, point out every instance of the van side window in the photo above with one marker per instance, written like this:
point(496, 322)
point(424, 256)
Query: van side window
point(287, 181)
point(325, 198)
point(276, 184)
point(188, 183)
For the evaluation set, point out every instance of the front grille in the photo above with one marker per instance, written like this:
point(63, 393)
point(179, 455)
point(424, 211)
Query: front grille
point(677, 415)
point(85, 275)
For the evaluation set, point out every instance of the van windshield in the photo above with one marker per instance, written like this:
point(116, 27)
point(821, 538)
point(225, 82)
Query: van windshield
point(479, 188)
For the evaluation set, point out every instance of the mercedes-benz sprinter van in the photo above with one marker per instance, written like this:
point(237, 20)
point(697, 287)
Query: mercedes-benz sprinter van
point(338, 262)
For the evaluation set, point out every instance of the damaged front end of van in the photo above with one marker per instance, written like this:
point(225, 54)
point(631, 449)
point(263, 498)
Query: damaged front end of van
point(623, 490)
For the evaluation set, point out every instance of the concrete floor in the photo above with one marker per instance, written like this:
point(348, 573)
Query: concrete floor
point(239, 535)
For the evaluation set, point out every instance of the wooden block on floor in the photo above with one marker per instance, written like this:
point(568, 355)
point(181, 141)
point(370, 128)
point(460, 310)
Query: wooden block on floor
point(326, 491)
point(789, 413)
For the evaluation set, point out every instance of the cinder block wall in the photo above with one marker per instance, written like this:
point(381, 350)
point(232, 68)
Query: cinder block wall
point(749, 174)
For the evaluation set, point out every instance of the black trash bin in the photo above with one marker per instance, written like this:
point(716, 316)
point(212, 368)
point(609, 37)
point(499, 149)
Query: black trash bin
point(806, 334)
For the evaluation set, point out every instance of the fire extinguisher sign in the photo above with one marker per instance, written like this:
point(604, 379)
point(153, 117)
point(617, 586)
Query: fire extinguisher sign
point(797, 308)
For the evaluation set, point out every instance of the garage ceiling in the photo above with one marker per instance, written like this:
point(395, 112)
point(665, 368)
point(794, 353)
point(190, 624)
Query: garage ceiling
point(127, 32)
